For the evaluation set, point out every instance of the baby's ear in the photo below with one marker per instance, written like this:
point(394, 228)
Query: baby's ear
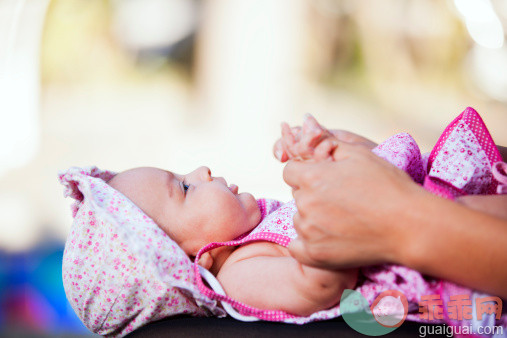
point(206, 261)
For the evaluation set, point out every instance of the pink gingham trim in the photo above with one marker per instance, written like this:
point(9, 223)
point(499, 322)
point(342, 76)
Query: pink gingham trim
point(244, 309)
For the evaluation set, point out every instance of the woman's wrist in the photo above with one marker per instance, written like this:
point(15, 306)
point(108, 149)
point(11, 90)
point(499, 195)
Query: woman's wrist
point(412, 237)
point(447, 240)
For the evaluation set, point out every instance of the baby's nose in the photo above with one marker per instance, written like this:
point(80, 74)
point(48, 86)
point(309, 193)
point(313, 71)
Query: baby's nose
point(204, 173)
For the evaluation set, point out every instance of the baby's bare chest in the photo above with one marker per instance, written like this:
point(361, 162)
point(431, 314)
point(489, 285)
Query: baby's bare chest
point(257, 249)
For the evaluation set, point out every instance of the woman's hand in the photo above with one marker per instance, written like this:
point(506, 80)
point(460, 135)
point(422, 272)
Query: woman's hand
point(359, 210)
point(348, 208)
point(349, 137)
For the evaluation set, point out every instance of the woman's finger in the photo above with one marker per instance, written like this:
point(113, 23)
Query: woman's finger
point(294, 172)
point(297, 223)
point(343, 150)
point(298, 250)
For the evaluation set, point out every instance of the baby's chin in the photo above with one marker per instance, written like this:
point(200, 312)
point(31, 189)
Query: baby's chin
point(251, 208)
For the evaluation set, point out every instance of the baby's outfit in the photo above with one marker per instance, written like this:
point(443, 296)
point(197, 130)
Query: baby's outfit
point(276, 226)
point(120, 271)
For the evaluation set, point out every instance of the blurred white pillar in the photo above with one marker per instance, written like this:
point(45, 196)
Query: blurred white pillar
point(21, 23)
point(249, 67)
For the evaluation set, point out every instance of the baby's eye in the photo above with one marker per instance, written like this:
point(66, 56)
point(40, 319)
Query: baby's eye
point(185, 186)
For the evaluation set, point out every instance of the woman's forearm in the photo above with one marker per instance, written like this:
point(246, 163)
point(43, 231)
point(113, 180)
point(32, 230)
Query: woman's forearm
point(457, 243)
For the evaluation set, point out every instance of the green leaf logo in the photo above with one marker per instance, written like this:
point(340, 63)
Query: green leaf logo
point(389, 312)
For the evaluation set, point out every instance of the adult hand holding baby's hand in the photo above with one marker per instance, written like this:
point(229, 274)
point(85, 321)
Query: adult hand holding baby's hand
point(342, 222)
point(312, 141)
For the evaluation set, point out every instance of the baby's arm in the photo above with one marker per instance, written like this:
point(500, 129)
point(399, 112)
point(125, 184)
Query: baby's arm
point(282, 283)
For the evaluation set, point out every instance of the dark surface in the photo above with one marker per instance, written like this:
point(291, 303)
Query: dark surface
point(228, 327)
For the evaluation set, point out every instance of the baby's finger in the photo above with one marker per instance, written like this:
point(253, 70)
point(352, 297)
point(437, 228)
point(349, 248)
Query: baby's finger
point(296, 131)
point(284, 158)
point(305, 147)
point(288, 140)
point(325, 149)
point(278, 151)
point(315, 136)
point(310, 123)
point(313, 128)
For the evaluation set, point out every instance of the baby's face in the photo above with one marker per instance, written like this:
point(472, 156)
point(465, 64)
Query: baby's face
point(193, 209)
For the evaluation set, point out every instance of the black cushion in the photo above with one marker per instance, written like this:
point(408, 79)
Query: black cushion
point(203, 327)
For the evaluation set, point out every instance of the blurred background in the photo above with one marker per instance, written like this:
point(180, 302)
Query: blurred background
point(182, 83)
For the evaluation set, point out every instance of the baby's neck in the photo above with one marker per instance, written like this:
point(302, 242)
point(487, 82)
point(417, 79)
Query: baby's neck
point(219, 256)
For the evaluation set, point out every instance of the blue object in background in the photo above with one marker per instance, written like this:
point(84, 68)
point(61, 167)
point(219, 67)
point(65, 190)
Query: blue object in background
point(32, 298)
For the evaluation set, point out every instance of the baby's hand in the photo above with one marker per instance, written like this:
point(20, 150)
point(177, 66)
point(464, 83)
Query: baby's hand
point(280, 148)
point(311, 141)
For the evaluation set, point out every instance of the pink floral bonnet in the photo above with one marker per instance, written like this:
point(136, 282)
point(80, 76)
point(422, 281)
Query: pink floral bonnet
point(120, 270)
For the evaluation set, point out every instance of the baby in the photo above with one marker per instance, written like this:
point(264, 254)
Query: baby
point(197, 208)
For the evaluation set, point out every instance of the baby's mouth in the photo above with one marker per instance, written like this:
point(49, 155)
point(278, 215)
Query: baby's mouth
point(233, 188)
